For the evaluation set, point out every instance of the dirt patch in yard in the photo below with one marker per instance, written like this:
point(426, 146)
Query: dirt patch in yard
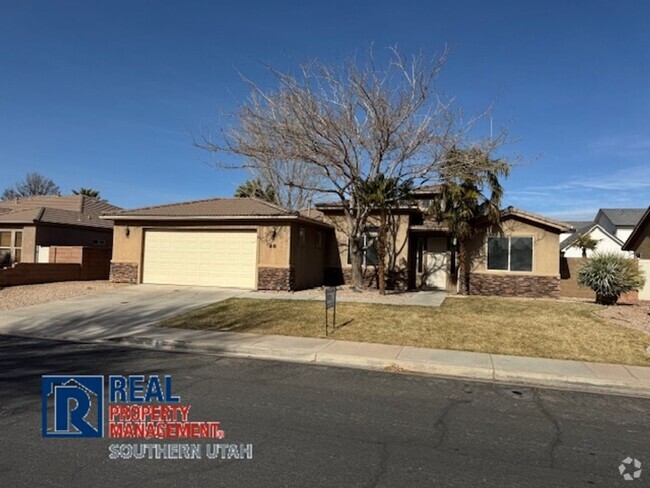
point(23, 296)
point(633, 316)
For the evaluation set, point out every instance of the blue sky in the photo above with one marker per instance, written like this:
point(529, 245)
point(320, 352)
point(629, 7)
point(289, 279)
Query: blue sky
point(106, 94)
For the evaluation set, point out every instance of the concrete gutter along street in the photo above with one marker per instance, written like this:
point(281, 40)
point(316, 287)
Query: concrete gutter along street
point(128, 316)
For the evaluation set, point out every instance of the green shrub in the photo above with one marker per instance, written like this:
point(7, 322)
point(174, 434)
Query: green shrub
point(610, 275)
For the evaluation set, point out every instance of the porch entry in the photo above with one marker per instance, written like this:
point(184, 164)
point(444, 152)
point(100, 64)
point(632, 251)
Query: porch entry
point(436, 263)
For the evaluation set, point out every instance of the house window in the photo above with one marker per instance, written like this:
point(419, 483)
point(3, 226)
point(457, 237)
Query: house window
point(319, 240)
point(11, 243)
point(420, 255)
point(301, 236)
point(369, 243)
point(510, 253)
point(99, 242)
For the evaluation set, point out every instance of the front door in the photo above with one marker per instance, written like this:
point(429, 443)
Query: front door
point(436, 263)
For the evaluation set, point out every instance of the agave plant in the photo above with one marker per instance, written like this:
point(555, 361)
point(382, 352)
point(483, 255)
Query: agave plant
point(610, 275)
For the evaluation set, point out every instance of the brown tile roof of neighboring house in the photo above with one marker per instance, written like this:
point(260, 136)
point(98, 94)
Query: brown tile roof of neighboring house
point(74, 203)
point(77, 210)
point(47, 215)
point(213, 208)
point(630, 244)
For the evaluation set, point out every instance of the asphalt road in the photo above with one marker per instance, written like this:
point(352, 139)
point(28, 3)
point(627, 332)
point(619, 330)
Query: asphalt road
point(314, 426)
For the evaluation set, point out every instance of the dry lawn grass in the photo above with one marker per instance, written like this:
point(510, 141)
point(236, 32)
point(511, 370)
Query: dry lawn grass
point(540, 328)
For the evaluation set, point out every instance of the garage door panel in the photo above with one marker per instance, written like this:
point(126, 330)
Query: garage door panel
point(208, 258)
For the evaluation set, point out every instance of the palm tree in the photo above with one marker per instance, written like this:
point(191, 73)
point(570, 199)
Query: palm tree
point(382, 194)
point(255, 189)
point(467, 200)
point(585, 242)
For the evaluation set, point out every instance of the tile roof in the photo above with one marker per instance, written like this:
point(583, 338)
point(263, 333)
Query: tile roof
point(78, 210)
point(75, 203)
point(533, 217)
point(623, 217)
point(213, 207)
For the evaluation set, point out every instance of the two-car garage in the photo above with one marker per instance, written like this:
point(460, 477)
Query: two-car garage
point(200, 257)
point(222, 242)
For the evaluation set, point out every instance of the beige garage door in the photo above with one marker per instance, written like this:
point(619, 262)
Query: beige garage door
point(204, 258)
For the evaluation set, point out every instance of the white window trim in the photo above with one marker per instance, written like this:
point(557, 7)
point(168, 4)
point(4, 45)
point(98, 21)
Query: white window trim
point(487, 250)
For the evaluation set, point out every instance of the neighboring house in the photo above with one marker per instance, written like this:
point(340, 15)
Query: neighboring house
point(229, 242)
point(619, 222)
point(523, 260)
point(33, 223)
point(606, 242)
point(638, 242)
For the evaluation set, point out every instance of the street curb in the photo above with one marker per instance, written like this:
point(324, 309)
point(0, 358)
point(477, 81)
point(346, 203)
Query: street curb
point(590, 385)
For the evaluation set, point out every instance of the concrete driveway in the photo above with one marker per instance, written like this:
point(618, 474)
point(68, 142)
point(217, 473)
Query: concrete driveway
point(117, 313)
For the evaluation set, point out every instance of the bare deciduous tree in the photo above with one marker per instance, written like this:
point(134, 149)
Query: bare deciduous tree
point(345, 125)
point(293, 184)
point(34, 184)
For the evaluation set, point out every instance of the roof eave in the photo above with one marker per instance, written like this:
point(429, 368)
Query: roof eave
point(215, 218)
point(628, 244)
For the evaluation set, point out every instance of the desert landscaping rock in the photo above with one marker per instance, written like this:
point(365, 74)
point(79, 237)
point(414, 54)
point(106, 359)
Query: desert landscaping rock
point(633, 316)
point(23, 296)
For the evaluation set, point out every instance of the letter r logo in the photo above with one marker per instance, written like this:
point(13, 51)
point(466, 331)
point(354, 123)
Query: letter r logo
point(73, 406)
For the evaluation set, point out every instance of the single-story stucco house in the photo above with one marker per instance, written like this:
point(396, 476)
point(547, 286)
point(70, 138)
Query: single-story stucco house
point(30, 224)
point(638, 242)
point(249, 243)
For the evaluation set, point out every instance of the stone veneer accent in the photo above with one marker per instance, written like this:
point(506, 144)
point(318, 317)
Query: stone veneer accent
point(514, 285)
point(282, 279)
point(124, 273)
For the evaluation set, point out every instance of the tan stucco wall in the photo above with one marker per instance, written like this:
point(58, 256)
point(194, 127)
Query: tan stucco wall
point(546, 248)
point(273, 240)
point(398, 239)
point(273, 243)
point(127, 249)
point(29, 244)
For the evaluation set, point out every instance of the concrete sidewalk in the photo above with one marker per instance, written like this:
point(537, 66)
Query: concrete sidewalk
point(424, 298)
point(580, 375)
